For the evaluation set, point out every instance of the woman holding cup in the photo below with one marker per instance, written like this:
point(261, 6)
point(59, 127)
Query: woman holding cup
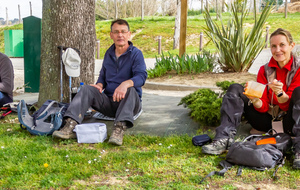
point(280, 98)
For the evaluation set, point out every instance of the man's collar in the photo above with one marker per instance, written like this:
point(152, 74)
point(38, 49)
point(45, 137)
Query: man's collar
point(113, 47)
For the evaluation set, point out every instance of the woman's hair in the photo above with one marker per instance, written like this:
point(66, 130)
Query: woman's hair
point(283, 32)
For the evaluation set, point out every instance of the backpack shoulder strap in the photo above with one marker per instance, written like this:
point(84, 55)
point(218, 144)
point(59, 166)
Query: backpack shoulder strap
point(52, 103)
point(240, 170)
point(280, 164)
point(23, 115)
point(226, 166)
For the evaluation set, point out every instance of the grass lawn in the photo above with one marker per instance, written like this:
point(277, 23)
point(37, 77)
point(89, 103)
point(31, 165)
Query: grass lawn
point(143, 162)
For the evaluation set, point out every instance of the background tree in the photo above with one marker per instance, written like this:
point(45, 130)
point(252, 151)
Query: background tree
point(69, 23)
point(116, 9)
point(168, 7)
point(217, 10)
point(177, 26)
point(142, 11)
point(105, 9)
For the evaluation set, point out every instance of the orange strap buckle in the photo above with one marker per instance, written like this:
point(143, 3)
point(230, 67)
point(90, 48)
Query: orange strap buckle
point(270, 140)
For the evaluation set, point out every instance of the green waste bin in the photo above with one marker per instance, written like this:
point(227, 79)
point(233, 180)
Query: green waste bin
point(32, 53)
point(13, 43)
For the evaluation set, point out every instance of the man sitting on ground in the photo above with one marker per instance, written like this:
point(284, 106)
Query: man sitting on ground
point(117, 92)
point(6, 80)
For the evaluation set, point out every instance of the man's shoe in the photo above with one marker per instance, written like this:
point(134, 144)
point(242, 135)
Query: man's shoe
point(217, 146)
point(67, 131)
point(296, 163)
point(116, 137)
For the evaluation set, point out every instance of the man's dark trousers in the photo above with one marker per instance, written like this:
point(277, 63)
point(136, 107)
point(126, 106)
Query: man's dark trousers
point(89, 96)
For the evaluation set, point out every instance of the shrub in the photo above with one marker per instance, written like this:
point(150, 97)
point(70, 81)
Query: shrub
point(205, 104)
point(201, 62)
point(193, 12)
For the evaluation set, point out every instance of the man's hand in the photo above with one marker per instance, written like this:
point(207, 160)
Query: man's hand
point(99, 86)
point(121, 90)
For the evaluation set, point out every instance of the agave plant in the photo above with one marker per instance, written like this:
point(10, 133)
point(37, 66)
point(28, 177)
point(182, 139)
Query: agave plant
point(237, 48)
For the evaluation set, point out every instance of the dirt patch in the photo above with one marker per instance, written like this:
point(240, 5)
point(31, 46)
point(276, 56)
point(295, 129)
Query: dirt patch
point(98, 181)
point(265, 186)
point(203, 79)
point(135, 33)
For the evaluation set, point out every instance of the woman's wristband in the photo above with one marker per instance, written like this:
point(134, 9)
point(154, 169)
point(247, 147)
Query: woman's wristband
point(279, 94)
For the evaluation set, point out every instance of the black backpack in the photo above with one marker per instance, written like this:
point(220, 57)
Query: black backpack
point(251, 154)
point(45, 120)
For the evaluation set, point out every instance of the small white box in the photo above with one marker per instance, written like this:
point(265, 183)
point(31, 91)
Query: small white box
point(91, 132)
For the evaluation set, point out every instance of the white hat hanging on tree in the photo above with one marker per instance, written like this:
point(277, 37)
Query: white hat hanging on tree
point(72, 61)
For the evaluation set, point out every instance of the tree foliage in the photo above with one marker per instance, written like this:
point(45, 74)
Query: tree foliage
point(105, 9)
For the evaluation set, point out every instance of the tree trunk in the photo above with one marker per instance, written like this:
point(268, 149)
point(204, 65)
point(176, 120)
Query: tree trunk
point(183, 26)
point(142, 8)
point(116, 9)
point(68, 23)
point(125, 12)
point(217, 12)
point(177, 26)
point(6, 16)
point(223, 6)
point(107, 16)
point(285, 9)
point(254, 5)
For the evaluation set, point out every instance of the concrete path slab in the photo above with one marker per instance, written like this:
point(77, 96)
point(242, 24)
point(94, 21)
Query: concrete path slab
point(161, 117)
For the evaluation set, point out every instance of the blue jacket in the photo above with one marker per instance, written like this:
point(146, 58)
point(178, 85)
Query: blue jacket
point(130, 65)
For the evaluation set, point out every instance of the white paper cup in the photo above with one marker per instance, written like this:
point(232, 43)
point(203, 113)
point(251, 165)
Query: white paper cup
point(255, 89)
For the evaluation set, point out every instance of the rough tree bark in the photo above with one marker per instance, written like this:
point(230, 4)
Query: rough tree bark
point(69, 23)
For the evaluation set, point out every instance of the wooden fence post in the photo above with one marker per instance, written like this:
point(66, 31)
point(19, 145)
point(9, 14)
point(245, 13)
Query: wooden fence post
point(267, 36)
point(201, 40)
point(98, 49)
point(159, 45)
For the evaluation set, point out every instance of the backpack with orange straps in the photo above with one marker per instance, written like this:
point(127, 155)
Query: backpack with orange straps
point(259, 152)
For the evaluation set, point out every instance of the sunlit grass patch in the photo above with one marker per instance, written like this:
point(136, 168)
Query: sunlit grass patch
point(143, 162)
